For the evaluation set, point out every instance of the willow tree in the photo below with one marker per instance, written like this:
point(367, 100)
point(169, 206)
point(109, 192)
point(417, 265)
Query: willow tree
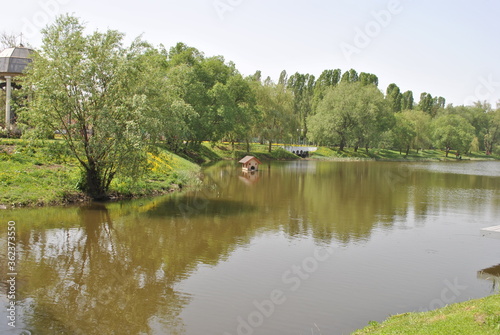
point(452, 132)
point(350, 113)
point(83, 88)
point(275, 108)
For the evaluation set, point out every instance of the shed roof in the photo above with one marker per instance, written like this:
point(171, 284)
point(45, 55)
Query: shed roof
point(247, 159)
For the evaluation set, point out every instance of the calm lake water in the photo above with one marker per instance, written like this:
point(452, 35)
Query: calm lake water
point(299, 247)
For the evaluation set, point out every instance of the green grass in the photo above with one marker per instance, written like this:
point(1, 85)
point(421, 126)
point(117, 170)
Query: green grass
point(31, 174)
point(394, 155)
point(481, 316)
point(168, 172)
point(44, 173)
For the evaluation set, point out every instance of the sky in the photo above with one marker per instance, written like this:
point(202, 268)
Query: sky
point(445, 48)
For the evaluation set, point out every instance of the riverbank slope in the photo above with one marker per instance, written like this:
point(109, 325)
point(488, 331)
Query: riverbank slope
point(45, 173)
point(478, 316)
point(324, 153)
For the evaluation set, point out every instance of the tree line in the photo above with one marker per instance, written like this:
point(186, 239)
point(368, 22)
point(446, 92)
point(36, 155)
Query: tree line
point(113, 103)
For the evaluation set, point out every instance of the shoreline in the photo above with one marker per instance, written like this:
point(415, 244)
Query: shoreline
point(474, 316)
point(38, 174)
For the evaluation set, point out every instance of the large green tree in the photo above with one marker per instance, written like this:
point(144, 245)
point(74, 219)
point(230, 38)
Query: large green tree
point(275, 106)
point(84, 87)
point(452, 132)
point(350, 76)
point(302, 88)
point(236, 109)
point(422, 128)
point(327, 79)
point(407, 100)
point(368, 79)
point(394, 97)
point(350, 113)
point(373, 116)
point(404, 131)
point(431, 105)
point(492, 133)
point(209, 95)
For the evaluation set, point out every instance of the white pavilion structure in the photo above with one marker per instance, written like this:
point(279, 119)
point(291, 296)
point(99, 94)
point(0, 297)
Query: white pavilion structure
point(13, 61)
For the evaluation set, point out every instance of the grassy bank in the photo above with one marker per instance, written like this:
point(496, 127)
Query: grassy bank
point(394, 155)
point(480, 316)
point(44, 173)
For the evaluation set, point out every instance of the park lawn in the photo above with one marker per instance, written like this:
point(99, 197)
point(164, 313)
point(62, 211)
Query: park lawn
point(30, 175)
point(479, 316)
point(395, 155)
point(45, 173)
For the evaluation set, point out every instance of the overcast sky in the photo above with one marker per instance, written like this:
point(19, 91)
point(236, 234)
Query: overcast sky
point(446, 48)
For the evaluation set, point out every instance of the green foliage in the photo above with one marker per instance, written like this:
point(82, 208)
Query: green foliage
point(328, 78)
point(302, 87)
point(85, 88)
point(368, 79)
point(275, 105)
point(350, 113)
point(394, 98)
point(56, 151)
point(431, 105)
point(404, 131)
point(282, 154)
point(453, 132)
point(492, 131)
point(407, 100)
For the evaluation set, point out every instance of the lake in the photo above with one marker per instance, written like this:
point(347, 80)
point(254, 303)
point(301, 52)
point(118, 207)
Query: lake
point(300, 247)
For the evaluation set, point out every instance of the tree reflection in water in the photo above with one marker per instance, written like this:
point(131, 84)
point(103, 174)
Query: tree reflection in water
point(97, 280)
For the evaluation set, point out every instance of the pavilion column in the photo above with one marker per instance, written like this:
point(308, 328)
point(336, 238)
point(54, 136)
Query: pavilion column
point(8, 89)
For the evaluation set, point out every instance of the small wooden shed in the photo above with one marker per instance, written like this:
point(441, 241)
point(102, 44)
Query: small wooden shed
point(250, 163)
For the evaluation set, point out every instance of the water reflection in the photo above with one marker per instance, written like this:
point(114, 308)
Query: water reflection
point(492, 274)
point(345, 201)
point(249, 178)
point(117, 268)
point(97, 279)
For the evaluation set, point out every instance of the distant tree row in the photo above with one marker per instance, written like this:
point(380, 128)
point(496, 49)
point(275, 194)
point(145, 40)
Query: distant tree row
point(113, 103)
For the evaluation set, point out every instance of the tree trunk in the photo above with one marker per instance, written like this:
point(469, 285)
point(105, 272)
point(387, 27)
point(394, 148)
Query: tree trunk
point(270, 145)
point(248, 145)
point(407, 150)
point(94, 186)
point(447, 151)
point(342, 145)
point(356, 148)
point(489, 148)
